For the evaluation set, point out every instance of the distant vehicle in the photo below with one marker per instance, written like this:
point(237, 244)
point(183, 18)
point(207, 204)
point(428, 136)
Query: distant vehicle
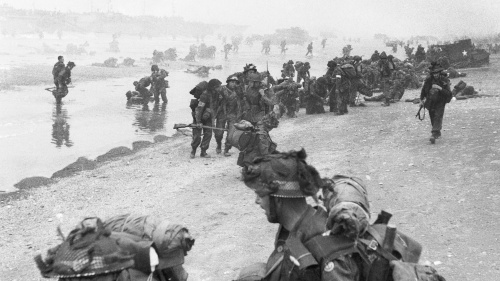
point(461, 54)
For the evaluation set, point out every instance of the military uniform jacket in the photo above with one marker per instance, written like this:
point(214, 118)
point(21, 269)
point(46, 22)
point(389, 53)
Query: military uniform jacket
point(445, 94)
point(159, 81)
point(292, 260)
point(230, 102)
point(255, 107)
point(58, 67)
point(208, 106)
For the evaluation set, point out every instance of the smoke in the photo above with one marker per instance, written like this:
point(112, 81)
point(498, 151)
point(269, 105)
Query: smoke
point(360, 18)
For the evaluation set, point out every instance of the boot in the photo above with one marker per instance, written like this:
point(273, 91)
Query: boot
point(204, 154)
point(226, 152)
point(432, 139)
point(193, 154)
point(386, 102)
point(218, 150)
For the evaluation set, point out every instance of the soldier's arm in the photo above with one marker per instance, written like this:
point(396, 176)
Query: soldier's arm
point(265, 98)
point(446, 87)
point(201, 107)
point(425, 88)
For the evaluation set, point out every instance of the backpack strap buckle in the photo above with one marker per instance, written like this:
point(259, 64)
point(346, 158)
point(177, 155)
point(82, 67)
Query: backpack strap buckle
point(373, 245)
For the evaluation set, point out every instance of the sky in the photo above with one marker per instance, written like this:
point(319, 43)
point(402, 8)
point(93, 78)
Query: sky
point(396, 18)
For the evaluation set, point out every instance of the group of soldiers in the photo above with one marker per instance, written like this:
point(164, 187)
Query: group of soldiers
point(157, 87)
point(332, 240)
point(246, 97)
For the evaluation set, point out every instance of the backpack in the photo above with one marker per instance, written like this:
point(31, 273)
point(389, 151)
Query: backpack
point(380, 245)
point(198, 90)
point(145, 81)
point(349, 70)
point(172, 241)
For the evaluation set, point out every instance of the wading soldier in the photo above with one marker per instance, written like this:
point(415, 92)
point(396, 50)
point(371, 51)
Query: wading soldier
point(159, 84)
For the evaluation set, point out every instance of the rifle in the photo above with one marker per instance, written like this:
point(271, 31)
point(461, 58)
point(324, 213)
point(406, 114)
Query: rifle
point(418, 113)
point(50, 89)
point(194, 126)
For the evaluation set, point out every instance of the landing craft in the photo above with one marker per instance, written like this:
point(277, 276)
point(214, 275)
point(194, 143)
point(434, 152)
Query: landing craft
point(462, 54)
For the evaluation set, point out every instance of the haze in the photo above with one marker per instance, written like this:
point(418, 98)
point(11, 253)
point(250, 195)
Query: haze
point(345, 18)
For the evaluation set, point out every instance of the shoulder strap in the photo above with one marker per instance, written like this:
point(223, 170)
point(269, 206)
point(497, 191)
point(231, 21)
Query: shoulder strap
point(330, 247)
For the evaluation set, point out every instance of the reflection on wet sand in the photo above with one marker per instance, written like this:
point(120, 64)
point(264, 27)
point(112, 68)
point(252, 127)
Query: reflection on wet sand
point(60, 127)
point(149, 120)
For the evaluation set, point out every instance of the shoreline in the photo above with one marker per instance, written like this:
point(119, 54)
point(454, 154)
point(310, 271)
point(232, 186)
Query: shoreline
point(80, 165)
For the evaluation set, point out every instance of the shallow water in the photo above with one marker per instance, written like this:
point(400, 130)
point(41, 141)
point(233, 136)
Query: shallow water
point(37, 137)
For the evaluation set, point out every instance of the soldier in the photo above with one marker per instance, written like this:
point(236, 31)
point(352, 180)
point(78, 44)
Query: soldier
point(141, 88)
point(282, 182)
point(303, 72)
point(262, 144)
point(58, 67)
point(435, 94)
point(283, 47)
point(227, 48)
point(342, 89)
point(323, 43)
point(266, 46)
point(330, 79)
point(347, 50)
point(401, 80)
point(315, 92)
point(375, 56)
point(159, 84)
point(288, 70)
point(420, 54)
point(196, 92)
point(231, 107)
point(205, 115)
point(309, 50)
point(63, 79)
point(255, 100)
point(358, 84)
point(385, 68)
point(287, 94)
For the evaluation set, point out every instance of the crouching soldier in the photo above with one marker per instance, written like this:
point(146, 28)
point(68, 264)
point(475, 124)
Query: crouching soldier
point(141, 87)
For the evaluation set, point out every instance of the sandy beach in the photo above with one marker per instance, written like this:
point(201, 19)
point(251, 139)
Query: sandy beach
point(432, 190)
